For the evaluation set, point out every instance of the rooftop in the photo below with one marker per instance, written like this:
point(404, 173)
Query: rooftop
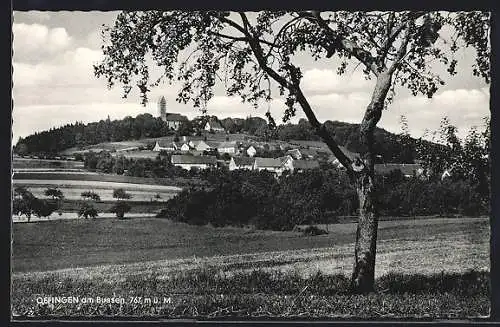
point(268, 162)
point(215, 124)
point(305, 164)
point(243, 161)
point(175, 117)
point(186, 159)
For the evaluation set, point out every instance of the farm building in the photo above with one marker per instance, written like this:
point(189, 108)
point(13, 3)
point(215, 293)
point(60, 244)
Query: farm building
point(302, 165)
point(187, 162)
point(164, 146)
point(241, 163)
point(276, 165)
point(203, 146)
point(214, 126)
point(227, 147)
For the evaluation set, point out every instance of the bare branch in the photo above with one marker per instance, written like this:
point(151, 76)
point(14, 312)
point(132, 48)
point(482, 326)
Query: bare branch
point(401, 51)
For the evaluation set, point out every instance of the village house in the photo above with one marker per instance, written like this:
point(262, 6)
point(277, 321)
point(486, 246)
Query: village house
point(213, 126)
point(295, 154)
point(189, 161)
point(201, 145)
point(164, 146)
point(303, 165)
point(227, 147)
point(241, 163)
point(270, 164)
point(251, 151)
point(276, 165)
point(185, 147)
point(174, 121)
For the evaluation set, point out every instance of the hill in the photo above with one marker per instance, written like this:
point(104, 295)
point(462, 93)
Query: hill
point(144, 129)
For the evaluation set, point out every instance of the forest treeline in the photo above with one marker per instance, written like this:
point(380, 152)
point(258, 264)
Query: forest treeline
point(55, 140)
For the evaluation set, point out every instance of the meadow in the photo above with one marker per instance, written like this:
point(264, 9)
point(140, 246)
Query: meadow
point(456, 244)
point(425, 268)
point(145, 142)
point(100, 177)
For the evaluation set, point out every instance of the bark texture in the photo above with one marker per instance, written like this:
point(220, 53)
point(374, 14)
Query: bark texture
point(363, 275)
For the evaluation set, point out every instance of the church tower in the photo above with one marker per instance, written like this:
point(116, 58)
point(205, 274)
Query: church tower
point(162, 108)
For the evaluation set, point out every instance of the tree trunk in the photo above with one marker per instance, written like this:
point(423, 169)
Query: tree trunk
point(363, 275)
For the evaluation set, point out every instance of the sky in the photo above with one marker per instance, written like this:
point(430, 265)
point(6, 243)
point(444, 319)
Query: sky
point(54, 84)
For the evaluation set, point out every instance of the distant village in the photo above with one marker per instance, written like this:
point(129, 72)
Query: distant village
point(214, 146)
point(299, 155)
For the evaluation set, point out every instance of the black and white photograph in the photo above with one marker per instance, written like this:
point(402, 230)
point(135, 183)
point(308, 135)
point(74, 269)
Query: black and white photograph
point(251, 165)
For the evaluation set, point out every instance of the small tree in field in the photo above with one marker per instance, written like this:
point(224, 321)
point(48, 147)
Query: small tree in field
point(121, 207)
point(56, 195)
point(253, 52)
point(87, 209)
point(23, 201)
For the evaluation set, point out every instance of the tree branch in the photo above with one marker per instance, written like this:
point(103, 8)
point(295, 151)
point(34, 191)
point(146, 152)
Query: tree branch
point(337, 40)
point(401, 51)
point(294, 88)
point(394, 32)
point(235, 38)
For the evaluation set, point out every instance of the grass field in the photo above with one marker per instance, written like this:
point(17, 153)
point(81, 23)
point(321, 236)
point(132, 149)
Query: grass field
point(113, 146)
point(45, 163)
point(99, 177)
point(232, 272)
point(156, 244)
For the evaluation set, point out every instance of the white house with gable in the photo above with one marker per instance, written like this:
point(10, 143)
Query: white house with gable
point(251, 151)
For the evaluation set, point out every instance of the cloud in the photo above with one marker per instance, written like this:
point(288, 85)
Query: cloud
point(46, 79)
point(31, 74)
point(464, 107)
point(33, 42)
point(323, 81)
point(40, 16)
point(30, 118)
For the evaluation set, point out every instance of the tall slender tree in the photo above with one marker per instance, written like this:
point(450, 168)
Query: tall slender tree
point(255, 54)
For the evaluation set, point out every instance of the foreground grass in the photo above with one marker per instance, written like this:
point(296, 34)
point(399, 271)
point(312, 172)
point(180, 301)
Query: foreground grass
point(208, 293)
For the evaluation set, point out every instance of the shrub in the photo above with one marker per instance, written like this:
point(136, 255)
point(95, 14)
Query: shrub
point(120, 193)
point(87, 210)
point(313, 231)
point(120, 208)
point(43, 208)
point(90, 195)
